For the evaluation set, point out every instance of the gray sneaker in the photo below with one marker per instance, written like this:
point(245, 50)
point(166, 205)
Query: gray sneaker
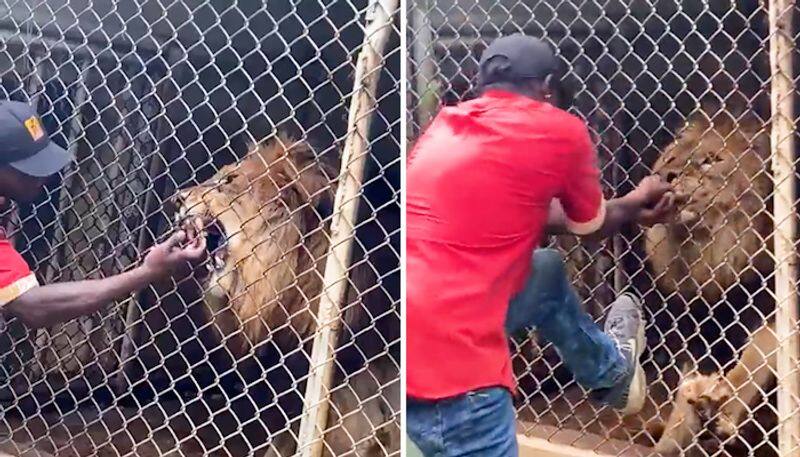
point(625, 325)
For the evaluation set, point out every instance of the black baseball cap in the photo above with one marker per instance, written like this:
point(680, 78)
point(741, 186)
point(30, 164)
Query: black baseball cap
point(524, 57)
point(25, 144)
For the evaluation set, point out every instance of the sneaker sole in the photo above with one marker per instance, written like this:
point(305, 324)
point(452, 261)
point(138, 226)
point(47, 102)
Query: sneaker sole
point(638, 389)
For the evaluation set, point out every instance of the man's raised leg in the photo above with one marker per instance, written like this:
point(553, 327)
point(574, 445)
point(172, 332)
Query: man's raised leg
point(606, 362)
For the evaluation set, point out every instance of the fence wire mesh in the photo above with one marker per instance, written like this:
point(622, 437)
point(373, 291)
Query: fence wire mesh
point(226, 119)
point(681, 89)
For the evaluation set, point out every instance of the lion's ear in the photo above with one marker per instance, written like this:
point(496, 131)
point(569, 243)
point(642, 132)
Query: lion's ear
point(311, 176)
point(277, 155)
point(269, 167)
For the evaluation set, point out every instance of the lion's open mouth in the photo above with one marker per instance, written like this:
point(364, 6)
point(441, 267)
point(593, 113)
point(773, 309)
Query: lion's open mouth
point(217, 245)
point(214, 233)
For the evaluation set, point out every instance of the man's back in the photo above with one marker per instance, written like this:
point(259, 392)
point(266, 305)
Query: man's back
point(479, 186)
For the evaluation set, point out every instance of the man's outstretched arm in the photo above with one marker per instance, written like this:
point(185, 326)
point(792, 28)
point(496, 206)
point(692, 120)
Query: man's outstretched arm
point(651, 202)
point(47, 305)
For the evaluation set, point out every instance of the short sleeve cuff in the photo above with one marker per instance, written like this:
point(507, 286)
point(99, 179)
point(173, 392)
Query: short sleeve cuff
point(12, 291)
point(588, 227)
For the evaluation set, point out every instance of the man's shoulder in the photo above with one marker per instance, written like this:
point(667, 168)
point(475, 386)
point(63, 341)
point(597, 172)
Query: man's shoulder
point(567, 128)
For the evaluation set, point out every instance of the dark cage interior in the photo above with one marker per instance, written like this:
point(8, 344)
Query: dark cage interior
point(638, 72)
point(152, 99)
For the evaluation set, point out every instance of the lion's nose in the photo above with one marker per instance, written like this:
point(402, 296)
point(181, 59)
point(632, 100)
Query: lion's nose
point(670, 176)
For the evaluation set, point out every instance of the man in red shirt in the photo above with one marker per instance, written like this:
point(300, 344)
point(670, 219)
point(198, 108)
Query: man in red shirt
point(485, 182)
point(27, 159)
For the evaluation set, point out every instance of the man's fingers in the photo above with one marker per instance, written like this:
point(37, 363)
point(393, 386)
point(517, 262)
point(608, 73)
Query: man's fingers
point(200, 245)
point(196, 250)
point(666, 202)
point(662, 211)
point(657, 208)
point(671, 199)
point(654, 188)
point(682, 198)
point(661, 187)
point(650, 217)
point(176, 239)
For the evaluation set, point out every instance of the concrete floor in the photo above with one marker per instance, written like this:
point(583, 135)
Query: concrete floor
point(411, 449)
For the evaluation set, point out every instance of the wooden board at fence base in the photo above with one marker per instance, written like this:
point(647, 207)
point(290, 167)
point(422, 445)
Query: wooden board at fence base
point(544, 440)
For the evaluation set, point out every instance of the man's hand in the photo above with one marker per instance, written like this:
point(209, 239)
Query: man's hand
point(167, 257)
point(663, 211)
point(650, 190)
point(656, 200)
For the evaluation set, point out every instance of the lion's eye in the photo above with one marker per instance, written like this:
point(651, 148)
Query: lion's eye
point(227, 179)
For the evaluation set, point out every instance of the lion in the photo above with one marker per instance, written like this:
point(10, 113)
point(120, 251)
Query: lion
point(714, 407)
point(264, 220)
point(718, 166)
point(266, 239)
point(696, 402)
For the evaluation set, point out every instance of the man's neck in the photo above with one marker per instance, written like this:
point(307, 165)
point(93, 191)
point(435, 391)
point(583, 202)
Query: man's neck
point(510, 88)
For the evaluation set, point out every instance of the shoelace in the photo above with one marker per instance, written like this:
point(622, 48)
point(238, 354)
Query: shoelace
point(621, 344)
point(615, 323)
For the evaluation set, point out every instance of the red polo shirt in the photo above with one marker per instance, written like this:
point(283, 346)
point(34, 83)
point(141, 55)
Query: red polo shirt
point(15, 276)
point(480, 181)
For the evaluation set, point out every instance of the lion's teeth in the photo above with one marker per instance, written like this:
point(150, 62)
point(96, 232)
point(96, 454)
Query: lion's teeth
point(209, 267)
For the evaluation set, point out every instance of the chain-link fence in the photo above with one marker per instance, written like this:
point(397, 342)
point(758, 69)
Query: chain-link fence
point(226, 119)
point(681, 89)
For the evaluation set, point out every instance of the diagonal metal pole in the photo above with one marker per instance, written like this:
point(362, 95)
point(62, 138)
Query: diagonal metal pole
point(378, 28)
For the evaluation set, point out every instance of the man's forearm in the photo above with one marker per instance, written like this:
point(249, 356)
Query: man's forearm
point(50, 304)
point(619, 211)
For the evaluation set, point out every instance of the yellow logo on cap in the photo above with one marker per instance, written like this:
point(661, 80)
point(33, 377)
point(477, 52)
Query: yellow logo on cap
point(34, 128)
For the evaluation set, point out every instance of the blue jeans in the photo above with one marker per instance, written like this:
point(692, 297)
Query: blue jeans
point(478, 423)
point(482, 423)
point(549, 303)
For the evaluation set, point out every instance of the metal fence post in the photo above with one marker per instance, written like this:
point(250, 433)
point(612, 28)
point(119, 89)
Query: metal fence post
point(783, 165)
point(425, 79)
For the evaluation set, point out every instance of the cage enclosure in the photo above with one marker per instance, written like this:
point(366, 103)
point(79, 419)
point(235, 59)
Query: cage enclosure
point(155, 99)
point(682, 89)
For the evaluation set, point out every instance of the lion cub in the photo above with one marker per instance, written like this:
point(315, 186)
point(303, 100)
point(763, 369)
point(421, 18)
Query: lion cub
point(713, 406)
